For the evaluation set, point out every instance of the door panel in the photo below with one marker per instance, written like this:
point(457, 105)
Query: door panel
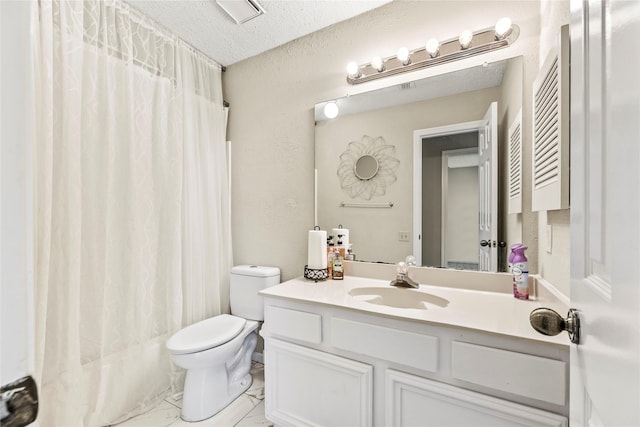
point(488, 179)
point(307, 387)
point(18, 391)
point(16, 215)
point(413, 401)
point(605, 211)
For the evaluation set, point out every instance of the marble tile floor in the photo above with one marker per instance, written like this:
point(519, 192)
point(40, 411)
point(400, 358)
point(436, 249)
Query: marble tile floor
point(246, 411)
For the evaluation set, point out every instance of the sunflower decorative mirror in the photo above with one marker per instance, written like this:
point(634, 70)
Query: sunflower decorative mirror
point(367, 167)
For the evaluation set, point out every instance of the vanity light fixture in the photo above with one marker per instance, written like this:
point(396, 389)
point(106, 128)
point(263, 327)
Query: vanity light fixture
point(465, 39)
point(331, 110)
point(377, 63)
point(403, 56)
point(503, 28)
point(502, 35)
point(432, 47)
point(353, 71)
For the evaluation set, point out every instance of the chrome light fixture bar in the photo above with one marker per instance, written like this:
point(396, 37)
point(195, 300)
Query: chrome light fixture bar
point(482, 41)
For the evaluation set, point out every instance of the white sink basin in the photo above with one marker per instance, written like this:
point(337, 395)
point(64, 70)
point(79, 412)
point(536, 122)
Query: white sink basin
point(398, 297)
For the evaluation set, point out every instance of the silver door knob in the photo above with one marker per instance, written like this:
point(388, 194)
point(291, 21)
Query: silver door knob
point(548, 322)
point(19, 402)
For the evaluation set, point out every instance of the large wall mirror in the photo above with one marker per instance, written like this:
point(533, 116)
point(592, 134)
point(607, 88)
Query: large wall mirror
point(367, 169)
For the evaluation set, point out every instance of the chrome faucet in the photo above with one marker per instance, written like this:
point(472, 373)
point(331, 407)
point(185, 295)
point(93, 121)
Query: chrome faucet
point(402, 276)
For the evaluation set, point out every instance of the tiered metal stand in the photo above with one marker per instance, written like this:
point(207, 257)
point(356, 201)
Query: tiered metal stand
point(316, 273)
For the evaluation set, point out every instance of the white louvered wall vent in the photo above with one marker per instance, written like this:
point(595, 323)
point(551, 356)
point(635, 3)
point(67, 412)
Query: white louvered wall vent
point(550, 172)
point(515, 165)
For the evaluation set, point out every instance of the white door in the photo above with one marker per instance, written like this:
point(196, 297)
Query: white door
point(16, 214)
point(605, 211)
point(16, 243)
point(488, 179)
point(418, 137)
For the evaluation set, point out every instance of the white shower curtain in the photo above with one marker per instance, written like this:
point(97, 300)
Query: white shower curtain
point(132, 206)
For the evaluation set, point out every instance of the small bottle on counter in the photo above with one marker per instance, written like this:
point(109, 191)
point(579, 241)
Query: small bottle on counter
point(350, 256)
point(330, 255)
point(337, 270)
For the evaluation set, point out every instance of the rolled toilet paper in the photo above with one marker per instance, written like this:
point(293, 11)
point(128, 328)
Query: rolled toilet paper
point(345, 235)
point(317, 249)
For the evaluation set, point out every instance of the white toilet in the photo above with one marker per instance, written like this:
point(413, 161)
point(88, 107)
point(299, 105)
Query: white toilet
point(217, 352)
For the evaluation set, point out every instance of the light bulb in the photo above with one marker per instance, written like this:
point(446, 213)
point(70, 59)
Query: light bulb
point(403, 56)
point(376, 62)
point(353, 70)
point(503, 27)
point(465, 39)
point(432, 47)
point(331, 110)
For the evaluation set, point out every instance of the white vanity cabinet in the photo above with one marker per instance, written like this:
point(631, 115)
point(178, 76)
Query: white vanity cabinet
point(327, 365)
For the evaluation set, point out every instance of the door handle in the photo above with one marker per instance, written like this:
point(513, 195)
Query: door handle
point(549, 322)
point(485, 243)
point(19, 403)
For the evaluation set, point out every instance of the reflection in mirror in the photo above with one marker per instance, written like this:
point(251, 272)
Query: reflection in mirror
point(366, 167)
point(394, 114)
point(453, 173)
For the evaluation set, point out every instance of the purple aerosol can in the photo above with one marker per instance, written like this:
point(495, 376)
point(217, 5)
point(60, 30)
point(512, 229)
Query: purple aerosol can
point(520, 271)
point(511, 255)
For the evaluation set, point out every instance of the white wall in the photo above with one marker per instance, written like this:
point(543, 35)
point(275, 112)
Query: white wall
point(271, 118)
point(15, 202)
point(511, 228)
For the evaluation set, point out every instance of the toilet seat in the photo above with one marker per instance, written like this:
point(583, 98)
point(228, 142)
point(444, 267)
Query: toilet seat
point(206, 334)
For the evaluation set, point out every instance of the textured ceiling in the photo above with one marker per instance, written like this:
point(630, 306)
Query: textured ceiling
point(205, 26)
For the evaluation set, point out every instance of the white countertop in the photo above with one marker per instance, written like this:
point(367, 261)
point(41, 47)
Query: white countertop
point(487, 311)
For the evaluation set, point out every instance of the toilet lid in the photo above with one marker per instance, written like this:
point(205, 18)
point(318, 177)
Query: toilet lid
point(206, 334)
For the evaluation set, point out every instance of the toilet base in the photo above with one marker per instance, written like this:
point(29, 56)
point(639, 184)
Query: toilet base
point(193, 411)
point(209, 390)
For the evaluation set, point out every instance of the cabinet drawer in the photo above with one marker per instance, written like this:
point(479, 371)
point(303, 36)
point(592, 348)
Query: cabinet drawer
point(529, 376)
point(293, 324)
point(394, 345)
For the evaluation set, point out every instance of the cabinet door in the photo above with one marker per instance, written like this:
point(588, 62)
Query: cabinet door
point(415, 401)
point(306, 387)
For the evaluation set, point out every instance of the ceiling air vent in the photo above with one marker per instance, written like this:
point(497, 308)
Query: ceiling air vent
point(241, 10)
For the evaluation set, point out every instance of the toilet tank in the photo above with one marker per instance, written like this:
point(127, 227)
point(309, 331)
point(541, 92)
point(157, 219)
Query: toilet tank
point(245, 283)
